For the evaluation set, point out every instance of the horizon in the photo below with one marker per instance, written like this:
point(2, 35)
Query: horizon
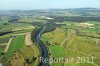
point(47, 4)
point(48, 9)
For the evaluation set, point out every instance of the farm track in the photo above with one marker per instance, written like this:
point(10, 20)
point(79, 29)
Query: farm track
point(28, 41)
point(71, 41)
point(65, 40)
point(8, 45)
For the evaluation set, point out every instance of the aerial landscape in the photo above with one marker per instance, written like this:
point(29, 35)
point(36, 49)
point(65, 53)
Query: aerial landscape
point(50, 36)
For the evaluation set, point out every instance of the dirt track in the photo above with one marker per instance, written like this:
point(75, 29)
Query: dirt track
point(7, 47)
point(28, 41)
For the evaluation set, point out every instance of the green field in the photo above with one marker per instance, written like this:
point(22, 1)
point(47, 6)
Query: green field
point(56, 52)
point(56, 64)
point(17, 43)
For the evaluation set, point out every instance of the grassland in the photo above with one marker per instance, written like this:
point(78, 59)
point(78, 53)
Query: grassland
point(74, 44)
point(27, 53)
point(50, 37)
point(17, 43)
point(56, 52)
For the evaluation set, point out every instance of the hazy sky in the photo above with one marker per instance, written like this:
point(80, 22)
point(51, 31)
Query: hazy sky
point(44, 4)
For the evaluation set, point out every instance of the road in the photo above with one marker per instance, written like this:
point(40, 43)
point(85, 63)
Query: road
point(43, 48)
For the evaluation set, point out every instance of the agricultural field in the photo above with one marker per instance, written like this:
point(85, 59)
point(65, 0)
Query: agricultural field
point(18, 40)
point(3, 44)
point(12, 44)
point(31, 19)
point(56, 52)
point(75, 41)
point(16, 43)
point(70, 35)
point(50, 37)
point(25, 56)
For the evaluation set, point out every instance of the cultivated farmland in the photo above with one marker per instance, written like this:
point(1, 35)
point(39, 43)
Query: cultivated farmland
point(69, 36)
point(73, 44)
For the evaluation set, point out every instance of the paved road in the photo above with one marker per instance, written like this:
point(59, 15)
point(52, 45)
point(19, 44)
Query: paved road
point(42, 46)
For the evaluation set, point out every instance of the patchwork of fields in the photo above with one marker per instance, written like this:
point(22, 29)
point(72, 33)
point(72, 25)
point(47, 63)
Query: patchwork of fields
point(68, 43)
point(69, 37)
point(16, 43)
point(13, 48)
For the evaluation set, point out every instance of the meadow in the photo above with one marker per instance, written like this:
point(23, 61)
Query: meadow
point(56, 52)
point(17, 43)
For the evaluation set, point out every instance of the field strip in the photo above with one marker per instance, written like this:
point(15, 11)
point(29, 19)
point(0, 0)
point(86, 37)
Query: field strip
point(80, 52)
point(28, 41)
point(17, 29)
point(8, 45)
point(65, 40)
point(71, 41)
point(22, 33)
point(3, 44)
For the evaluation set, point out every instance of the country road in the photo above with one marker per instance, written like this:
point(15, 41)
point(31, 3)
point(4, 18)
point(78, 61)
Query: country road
point(43, 48)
